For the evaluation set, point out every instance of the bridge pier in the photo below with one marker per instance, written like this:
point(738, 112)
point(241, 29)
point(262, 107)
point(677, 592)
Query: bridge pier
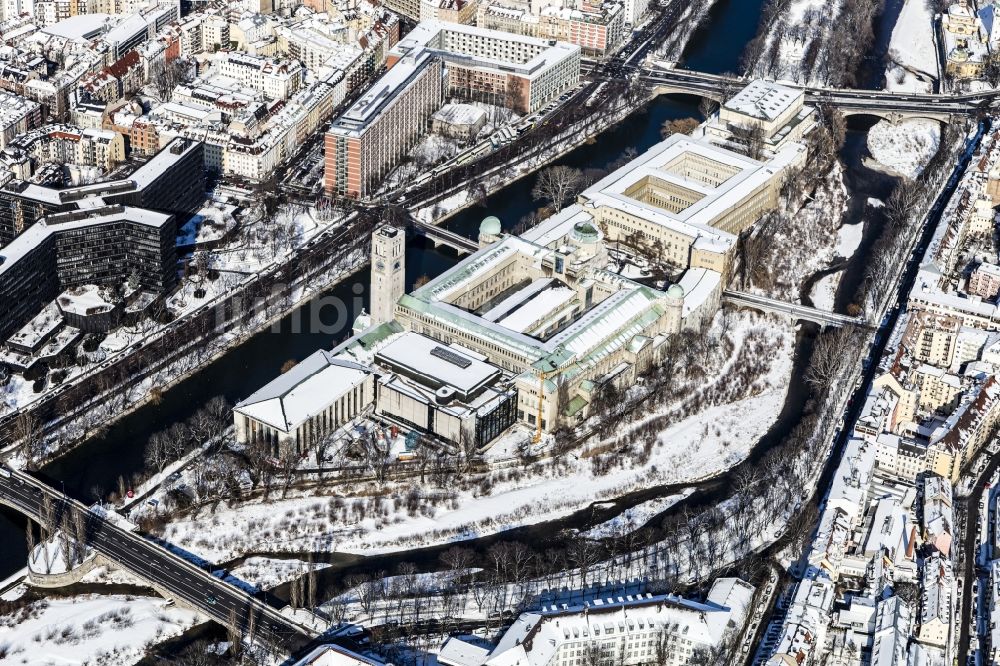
point(94, 560)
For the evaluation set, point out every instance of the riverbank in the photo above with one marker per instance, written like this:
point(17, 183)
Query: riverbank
point(698, 427)
point(139, 374)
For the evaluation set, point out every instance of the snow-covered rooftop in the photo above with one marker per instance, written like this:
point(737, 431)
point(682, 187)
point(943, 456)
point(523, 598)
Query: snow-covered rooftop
point(765, 100)
point(37, 233)
point(457, 652)
point(335, 655)
point(83, 27)
point(86, 299)
point(460, 114)
point(664, 164)
point(304, 391)
point(39, 328)
point(527, 315)
point(534, 638)
point(435, 364)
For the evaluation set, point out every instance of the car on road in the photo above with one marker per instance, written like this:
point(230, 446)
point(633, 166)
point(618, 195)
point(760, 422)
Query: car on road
point(211, 600)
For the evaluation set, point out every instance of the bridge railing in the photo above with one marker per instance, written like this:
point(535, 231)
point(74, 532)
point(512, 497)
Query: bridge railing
point(792, 309)
point(272, 614)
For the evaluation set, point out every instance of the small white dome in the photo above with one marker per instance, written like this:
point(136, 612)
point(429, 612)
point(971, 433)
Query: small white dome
point(491, 226)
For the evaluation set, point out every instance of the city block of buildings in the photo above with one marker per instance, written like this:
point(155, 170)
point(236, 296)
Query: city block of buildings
point(251, 86)
point(530, 329)
point(888, 518)
point(366, 142)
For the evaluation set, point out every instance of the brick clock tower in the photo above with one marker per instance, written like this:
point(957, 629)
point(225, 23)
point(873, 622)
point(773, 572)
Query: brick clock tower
point(388, 272)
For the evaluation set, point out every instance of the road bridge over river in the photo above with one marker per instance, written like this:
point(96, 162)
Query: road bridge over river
point(885, 104)
point(166, 572)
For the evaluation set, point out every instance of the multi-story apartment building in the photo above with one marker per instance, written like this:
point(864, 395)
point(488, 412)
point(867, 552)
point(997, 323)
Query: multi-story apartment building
point(172, 181)
point(937, 514)
point(597, 30)
point(936, 601)
point(276, 79)
point(105, 245)
point(138, 28)
point(368, 140)
point(521, 73)
point(17, 116)
point(99, 234)
point(123, 77)
point(939, 390)
point(73, 145)
point(984, 281)
point(932, 338)
point(450, 11)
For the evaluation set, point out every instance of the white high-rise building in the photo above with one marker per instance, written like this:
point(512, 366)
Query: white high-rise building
point(14, 8)
point(388, 272)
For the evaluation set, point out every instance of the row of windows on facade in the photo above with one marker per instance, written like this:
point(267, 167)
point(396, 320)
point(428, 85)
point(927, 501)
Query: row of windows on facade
point(433, 331)
point(317, 426)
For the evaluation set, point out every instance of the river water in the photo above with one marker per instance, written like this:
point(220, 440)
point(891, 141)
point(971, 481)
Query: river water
point(94, 467)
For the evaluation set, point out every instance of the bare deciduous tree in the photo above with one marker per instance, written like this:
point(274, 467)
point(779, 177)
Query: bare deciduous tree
point(157, 451)
point(749, 138)
point(28, 431)
point(678, 126)
point(165, 75)
point(234, 634)
point(828, 356)
point(557, 185)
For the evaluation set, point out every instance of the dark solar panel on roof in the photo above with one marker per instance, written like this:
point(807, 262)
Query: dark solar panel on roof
point(451, 357)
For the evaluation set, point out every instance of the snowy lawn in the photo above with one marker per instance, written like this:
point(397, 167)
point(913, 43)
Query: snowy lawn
point(848, 239)
point(713, 424)
point(103, 575)
point(824, 291)
point(912, 49)
point(904, 147)
point(267, 572)
point(89, 629)
point(720, 415)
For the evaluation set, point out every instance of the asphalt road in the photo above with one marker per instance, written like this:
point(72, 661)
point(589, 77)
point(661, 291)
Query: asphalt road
point(152, 563)
point(968, 565)
point(699, 82)
point(615, 68)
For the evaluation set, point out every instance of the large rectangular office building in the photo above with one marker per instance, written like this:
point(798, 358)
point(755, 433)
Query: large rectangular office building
point(101, 234)
point(434, 60)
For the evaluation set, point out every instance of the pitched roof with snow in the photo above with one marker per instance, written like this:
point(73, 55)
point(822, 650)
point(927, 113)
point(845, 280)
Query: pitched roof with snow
point(305, 390)
point(534, 638)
